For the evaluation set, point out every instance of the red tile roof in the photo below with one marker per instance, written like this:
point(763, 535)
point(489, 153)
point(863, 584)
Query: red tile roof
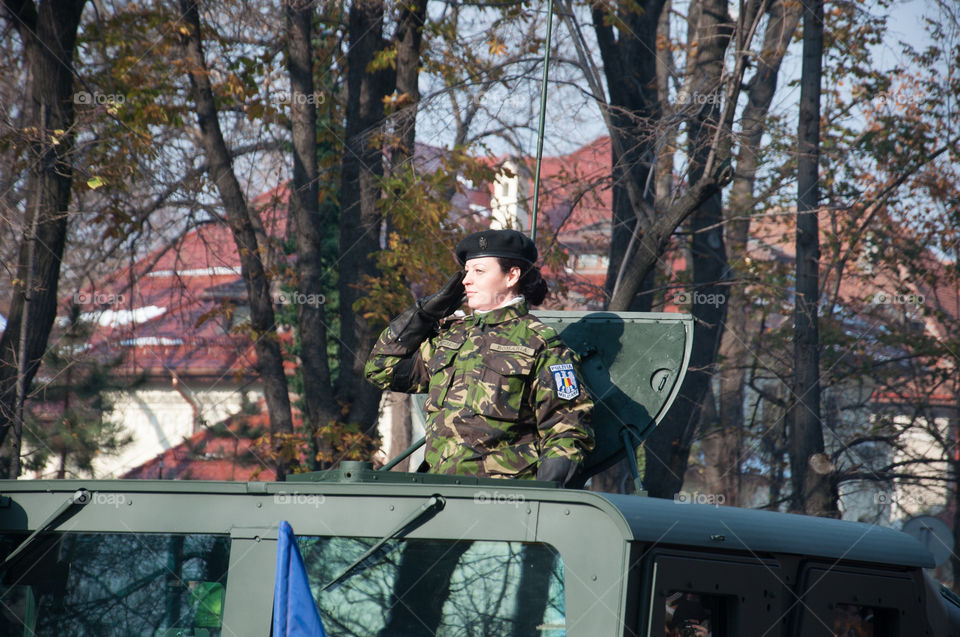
point(173, 310)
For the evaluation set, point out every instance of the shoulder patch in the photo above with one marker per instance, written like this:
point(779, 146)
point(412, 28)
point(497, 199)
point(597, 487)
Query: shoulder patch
point(565, 381)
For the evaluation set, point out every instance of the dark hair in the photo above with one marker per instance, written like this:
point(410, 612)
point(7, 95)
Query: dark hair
point(531, 284)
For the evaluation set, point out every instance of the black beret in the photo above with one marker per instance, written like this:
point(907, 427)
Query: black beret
point(509, 244)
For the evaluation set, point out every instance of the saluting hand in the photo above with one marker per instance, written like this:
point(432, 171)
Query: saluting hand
point(447, 300)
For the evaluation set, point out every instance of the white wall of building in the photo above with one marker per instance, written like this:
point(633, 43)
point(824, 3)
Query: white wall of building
point(160, 417)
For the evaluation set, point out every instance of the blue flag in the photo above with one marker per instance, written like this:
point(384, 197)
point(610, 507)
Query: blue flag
point(294, 611)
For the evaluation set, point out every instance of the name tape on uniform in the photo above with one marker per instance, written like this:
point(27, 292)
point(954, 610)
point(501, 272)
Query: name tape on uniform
point(513, 349)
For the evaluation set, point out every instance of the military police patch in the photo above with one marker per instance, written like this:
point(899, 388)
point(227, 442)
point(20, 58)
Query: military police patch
point(565, 381)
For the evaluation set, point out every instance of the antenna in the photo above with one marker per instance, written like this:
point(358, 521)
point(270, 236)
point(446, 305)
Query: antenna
point(543, 113)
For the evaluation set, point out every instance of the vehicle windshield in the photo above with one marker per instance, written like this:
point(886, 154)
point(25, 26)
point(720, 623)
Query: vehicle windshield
point(437, 587)
point(99, 584)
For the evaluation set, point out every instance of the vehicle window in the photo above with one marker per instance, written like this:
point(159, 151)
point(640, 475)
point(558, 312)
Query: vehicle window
point(436, 587)
point(860, 603)
point(690, 614)
point(95, 584)
point(700, 595)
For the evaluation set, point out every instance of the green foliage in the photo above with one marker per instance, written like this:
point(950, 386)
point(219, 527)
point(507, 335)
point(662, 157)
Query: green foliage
point(422, 230)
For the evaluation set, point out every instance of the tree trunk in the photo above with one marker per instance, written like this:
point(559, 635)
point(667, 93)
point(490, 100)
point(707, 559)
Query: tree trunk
point(633, 115)
point(409, 39)
point(955, 494)
point(726, 440)
point(814, 490)
point(668, 448)
point(309, 222)
point(360, 219)
point(266, 345)
point(49, 33)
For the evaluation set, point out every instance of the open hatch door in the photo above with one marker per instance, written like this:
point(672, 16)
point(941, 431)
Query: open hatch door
point(633, 364)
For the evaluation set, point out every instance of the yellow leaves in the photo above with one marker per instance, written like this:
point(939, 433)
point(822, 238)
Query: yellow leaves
point(235, 86)
point(384, 59)
point(153, 112)
point(95, 182)
point(396, 101)
point(184, 30)
point(496, 46)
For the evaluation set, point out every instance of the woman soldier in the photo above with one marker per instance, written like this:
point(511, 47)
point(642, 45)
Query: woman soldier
point(504, 399)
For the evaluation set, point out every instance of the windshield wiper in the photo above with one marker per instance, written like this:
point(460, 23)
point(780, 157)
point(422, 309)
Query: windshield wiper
point(79, 499)
point(431, 506)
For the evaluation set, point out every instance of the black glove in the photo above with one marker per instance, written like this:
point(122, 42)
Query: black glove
point(446, 301)
point(557, 470)
point(416, 323)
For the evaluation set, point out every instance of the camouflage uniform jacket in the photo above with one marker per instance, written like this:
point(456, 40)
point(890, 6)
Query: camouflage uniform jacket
point(502, 393)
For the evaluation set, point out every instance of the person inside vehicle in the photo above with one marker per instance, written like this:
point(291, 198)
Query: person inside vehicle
point(505, 396)
point(687, 617)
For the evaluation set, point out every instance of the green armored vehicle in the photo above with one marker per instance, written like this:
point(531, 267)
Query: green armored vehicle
point(395, 554)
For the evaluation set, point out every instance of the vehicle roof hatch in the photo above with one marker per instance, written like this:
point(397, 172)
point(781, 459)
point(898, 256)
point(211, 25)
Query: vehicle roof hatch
point(633, 364)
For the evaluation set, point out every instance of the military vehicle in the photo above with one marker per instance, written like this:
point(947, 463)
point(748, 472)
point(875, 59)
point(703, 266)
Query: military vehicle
point(395, 554)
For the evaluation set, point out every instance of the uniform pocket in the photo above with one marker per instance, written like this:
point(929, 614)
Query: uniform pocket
point(503, 386)
point(441, 368)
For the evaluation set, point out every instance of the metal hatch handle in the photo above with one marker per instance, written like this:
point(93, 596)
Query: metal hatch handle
point(630, 450)
point(434, 504)
point(80, 497)
point(406, 453)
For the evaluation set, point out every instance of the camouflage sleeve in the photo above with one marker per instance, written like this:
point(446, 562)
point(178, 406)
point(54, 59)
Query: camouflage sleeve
point(562, 406)
point(388, 368)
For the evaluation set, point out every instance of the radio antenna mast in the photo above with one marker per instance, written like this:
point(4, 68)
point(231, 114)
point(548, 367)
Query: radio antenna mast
point(543, 113)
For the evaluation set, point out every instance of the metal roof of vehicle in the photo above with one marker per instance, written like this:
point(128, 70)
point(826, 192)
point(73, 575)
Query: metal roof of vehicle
point(644, 519)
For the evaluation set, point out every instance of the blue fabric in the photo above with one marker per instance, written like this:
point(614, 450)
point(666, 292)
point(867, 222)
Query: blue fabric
point(294, 611)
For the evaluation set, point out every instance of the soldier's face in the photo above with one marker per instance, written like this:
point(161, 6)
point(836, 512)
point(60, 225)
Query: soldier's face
point(486, 285)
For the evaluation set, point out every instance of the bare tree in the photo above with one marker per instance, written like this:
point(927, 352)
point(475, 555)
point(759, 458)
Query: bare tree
point(48, 32)
point(814, 486)
point(238, 217)
point(723, 443)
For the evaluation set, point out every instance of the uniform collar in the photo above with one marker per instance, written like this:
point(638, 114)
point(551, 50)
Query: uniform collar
point(502, 314)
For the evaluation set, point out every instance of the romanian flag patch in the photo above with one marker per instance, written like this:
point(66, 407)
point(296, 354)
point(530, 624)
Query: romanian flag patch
point(565, 381)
